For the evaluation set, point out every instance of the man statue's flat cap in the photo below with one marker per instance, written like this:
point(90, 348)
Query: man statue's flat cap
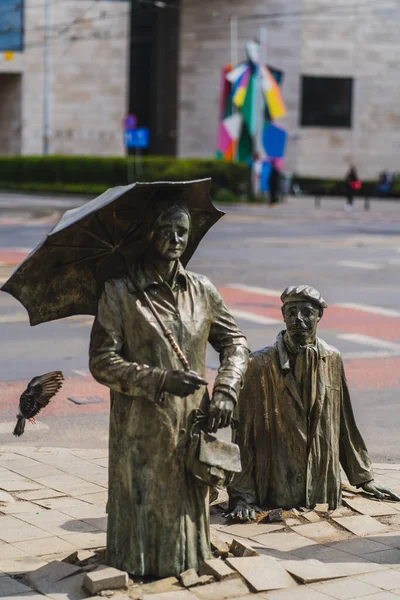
point(303, 293)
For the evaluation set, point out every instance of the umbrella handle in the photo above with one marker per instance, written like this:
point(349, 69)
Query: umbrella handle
point(177, 350)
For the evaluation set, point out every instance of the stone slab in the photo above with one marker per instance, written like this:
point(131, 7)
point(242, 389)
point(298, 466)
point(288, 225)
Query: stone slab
point(168, 584)
point(12, 587)
point(105, 578)
point(189, 578)
point(292, 522)
point(222, 590)
point(218, 569)
point(250, 530)
point(284, 542)
point(321, 508)
point(312, 517)
point(39, 494)
point(322, 532)
point(262, 573)
point(52, 572)
point(372, 508)
point(181, 595)
point(6, 497)
point(310, 571)
point(218, 546)
point(344, 589)
point(361, 525)
point(240, 549)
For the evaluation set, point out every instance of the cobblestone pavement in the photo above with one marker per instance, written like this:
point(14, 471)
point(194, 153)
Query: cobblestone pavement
point(52, 503)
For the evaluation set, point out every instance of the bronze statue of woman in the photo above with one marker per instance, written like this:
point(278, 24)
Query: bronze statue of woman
point(158, 520)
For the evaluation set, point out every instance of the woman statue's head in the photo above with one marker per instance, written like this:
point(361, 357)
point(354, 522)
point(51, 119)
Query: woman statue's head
point(169, 234)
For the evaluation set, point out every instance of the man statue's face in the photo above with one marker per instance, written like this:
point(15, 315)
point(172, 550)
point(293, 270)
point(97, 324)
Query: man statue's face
point(171, 236)
point(301, 320)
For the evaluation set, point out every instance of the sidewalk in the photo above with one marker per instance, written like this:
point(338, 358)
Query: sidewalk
point(52, 503)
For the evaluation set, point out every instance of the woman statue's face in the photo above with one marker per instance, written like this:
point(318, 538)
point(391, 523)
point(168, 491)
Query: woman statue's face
point(171, 236)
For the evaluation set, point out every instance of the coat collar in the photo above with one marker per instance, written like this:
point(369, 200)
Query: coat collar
point(324, 350)
point(148, 278)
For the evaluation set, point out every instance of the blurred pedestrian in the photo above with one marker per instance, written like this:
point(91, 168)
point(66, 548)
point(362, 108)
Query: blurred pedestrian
point(353, 184)
point(274, 183)
point(385, 182)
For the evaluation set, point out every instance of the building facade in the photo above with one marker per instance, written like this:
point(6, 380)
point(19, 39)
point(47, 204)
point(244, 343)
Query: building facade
point(87, 93)
point(340, 86)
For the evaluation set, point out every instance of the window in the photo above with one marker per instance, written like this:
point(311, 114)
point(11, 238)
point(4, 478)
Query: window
point(11, 25)
point(326, 101)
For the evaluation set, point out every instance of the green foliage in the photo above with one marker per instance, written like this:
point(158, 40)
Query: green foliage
point(92, 175)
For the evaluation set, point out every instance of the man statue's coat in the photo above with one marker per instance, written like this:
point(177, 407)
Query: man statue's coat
point(290, 456)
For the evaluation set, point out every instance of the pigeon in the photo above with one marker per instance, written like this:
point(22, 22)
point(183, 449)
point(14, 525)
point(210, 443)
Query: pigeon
point(37, 395)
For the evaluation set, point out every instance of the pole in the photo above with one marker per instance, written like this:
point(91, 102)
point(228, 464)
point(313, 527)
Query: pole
point(259, 106)
point(47, 80)
point(234, 40)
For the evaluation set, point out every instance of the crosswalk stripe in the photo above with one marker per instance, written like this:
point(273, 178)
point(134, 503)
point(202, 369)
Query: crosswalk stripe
point(367, 340)
point(359, 265)
point(252, 289)
point(249, 316)
point(368, 308)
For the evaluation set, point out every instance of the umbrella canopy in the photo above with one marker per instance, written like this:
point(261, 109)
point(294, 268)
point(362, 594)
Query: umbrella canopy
point(64, 274)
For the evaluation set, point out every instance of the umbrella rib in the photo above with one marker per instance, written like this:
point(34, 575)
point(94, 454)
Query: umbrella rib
point(96, 237)
point(104, 229)
point(80, 260)
point(70, 247)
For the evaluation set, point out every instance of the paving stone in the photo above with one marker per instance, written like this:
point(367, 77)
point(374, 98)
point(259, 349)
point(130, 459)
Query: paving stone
point(17, 508)
point(284, 542)
point(372, 508)
point(181, 595)
point(312, 516)
point(342, 511)
point(38, 494)
point(67, 589)
point(310, 571)
point(23, 564)
point(189, 578)
point(393, 521)
point(359, 546)
point(300, 592)
point(12, 587)
point(168, 584)
point(321, 508)
point(344, 589)
point(322, 532)
point(275, 515)
point(80, 557)
point(391, 538)
point(385, 557)
point(262, 573)
point(218, 569)
point(361, 525)
point(240, 549)
point(52, 572)
point(386, 580)
point(249, 530)
point(86, 541)
point(105, 578)
point(9, 551)
point(218, 546)
point(6, 497)
point(292, 522)
point(44, 546)
point(222, 590)
point(15, 530)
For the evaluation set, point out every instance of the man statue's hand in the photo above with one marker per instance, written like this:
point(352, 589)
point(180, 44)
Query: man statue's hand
point(220, 411)
point(182, 383)
point(379, 491)
point(243, 512)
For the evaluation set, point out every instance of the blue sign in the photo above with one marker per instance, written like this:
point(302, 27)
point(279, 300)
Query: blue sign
point(137, 138)
point(130, 122)
point(11, 25)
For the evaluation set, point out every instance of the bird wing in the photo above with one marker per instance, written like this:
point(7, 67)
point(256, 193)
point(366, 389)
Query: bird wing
point(39, 392)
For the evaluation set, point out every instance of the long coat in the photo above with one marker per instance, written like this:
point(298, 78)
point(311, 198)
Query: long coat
point(291, 457)
point(158, 516)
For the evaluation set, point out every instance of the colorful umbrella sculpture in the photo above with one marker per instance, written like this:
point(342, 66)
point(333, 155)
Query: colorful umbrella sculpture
point(251, 102)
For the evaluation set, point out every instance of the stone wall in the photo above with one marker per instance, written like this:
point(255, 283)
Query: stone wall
point(327, 38)
point(89, 66)
point(10, 114)
point(205, 49)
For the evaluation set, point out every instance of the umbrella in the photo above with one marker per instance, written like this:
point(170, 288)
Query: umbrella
point(64, 274)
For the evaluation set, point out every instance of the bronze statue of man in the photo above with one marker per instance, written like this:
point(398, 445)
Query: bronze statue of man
point(158, 522)
point(296, 420)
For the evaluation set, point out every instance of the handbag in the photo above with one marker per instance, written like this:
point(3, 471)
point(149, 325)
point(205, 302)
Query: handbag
point(209, 460)
point(355, 185)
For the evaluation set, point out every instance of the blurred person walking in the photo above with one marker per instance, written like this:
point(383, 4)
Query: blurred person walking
point(274, 183)
point(353, 184)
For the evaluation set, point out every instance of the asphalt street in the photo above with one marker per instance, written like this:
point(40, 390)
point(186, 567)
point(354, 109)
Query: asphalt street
point(252, 254)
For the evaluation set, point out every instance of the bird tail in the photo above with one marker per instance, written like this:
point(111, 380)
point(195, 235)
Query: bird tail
point(20, 426)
